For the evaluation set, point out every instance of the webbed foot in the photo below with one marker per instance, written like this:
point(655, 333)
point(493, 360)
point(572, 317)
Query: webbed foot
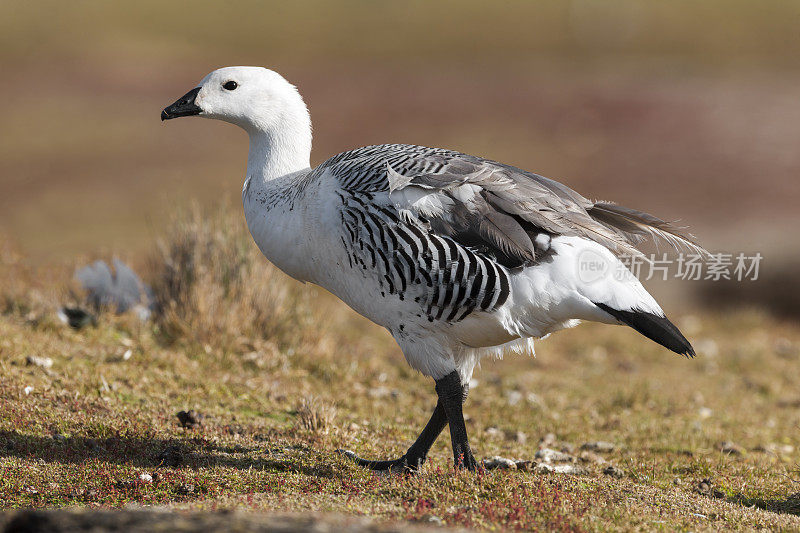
point(402, 465)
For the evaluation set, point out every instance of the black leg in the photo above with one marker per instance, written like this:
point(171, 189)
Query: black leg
point(418, 452)
point(451, 397)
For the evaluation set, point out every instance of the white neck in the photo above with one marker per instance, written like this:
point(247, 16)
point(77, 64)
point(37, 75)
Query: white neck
point(280, 149)
point(279, 153)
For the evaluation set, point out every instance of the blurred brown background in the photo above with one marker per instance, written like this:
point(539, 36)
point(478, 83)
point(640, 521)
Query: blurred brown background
point(689, 110)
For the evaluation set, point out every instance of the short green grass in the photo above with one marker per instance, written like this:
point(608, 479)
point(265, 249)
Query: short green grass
point(99, 430)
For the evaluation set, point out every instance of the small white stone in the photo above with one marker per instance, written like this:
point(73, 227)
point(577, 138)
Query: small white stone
point(147, 478)
point(493, 432)
point(549, 455)
point(534, 399)
point(704, 412)
point(500, 463)
point(127, 355)
point(513, 397)
point(43, 362)
point(591, 457)
point(599, 446)
point(569, 469)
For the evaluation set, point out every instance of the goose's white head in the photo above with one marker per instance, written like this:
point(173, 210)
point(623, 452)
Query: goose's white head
point(261, 102)
point(250, 97)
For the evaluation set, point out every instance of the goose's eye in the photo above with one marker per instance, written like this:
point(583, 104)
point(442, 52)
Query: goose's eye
point(230, 85)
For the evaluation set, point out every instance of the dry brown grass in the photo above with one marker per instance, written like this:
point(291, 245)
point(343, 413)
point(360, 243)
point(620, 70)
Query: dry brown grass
point(212, 285)
point(314, 414)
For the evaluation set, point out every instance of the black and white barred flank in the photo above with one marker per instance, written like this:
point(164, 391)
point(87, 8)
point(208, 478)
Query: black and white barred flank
point(447, 279)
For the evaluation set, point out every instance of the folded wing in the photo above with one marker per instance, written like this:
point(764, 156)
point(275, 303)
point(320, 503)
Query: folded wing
point(494, 208)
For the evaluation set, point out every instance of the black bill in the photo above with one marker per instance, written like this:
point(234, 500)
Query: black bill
point(183, 106)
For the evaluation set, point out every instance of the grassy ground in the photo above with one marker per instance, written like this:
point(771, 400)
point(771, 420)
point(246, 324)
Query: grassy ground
point(710, 443)
point(684, 109)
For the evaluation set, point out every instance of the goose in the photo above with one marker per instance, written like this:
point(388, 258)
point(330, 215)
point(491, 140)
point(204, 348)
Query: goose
point(457, 256)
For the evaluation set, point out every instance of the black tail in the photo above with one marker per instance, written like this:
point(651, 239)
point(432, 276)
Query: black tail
point(654, 327)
